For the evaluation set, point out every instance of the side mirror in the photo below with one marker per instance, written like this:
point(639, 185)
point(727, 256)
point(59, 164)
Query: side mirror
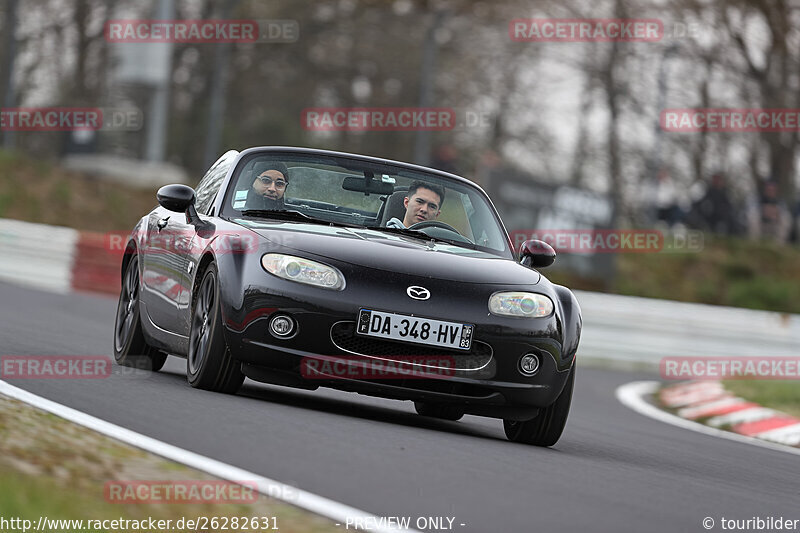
point(181, 199)
point(536, 254)
point(176, 198)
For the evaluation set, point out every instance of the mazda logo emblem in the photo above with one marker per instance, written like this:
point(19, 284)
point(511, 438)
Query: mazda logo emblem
point(418, 293)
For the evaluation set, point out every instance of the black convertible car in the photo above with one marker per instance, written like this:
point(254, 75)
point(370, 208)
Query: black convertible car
point(308, 268)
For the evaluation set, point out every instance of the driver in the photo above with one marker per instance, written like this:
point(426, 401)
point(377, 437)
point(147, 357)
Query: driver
point(268, 187)
point(423, 203)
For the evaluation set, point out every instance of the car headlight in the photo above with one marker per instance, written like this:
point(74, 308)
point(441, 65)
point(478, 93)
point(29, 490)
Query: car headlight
point(521, 304)
point(303, 271)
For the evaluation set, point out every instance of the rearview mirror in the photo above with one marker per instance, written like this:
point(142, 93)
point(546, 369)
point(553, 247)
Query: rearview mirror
point(372, 186)
point(536, 254)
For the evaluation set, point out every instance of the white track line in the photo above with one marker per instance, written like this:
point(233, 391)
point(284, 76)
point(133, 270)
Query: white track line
point(299, 498)
point(632, 396)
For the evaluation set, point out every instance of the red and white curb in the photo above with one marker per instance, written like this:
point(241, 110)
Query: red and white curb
point(58, 259)
point(637, 397)
point(709, 400)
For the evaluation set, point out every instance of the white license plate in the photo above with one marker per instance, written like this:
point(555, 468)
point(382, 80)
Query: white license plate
point(414, 329)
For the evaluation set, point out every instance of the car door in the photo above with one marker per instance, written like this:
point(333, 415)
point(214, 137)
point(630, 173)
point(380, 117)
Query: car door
point(164, 265)
point(168, 270)
point(207, 191)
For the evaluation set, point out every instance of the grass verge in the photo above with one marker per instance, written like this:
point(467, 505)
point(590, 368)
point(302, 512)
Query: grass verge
point(52, 468)
point(782, 396)
point(37, 191)
point(728, 271)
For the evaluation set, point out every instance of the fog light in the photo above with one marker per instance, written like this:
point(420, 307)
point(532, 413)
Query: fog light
point(281, 326)
point(529, 364)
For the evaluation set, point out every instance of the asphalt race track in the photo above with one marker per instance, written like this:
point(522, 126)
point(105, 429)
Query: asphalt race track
point(613, 470)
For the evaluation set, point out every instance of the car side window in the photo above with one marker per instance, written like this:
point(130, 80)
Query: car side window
point(209, 186)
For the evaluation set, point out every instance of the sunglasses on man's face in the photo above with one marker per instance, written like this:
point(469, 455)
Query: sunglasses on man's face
point(279, 183)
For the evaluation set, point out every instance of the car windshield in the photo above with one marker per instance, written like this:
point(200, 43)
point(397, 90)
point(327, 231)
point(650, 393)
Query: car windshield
point(349, 192)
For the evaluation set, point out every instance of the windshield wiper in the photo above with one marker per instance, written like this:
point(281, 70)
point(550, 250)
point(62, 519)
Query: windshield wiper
point(424, 236)
point(404, 231)
point(281, 214)
point(293, 216)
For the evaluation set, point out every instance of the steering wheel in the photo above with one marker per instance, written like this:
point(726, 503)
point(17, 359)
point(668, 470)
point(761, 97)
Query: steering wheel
point(419, 226)
point(433, 224)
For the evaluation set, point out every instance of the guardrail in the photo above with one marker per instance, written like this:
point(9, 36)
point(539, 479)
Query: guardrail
point(619, 329)
point(37, 255)
point(641, 331)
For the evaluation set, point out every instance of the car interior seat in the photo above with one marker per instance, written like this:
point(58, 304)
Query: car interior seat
point(393, 207)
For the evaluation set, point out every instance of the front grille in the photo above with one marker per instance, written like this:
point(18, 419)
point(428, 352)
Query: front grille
point(343, 335)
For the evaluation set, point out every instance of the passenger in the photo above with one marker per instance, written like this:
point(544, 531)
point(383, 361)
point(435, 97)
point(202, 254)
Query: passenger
point(423, 203)
point(269, 186)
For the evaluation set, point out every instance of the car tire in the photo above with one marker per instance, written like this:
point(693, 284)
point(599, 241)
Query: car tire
point(546, 428)
point(436, 410)
point(209, 364)
point(130, 346)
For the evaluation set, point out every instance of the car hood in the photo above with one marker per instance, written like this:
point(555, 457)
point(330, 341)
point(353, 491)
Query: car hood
point(393, 252)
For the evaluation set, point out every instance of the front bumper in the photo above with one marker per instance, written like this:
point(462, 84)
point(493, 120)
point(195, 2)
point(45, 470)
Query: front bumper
point(486, 381)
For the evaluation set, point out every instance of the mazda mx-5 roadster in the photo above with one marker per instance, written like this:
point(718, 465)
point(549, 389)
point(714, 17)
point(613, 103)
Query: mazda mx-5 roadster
point(307, 268)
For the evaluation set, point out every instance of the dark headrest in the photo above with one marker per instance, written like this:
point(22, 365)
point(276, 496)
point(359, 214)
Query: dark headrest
point(394, 207)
